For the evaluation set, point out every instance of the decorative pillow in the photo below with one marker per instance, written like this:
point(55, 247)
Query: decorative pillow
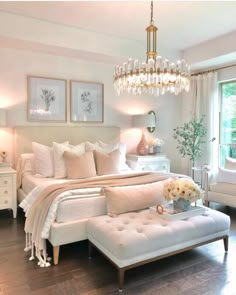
point(230, 163)
point(107, 163)
point(25, 165)
point(89, 146)
point(43, 159)
point(58, 151)
point(226, 175)
point(132, 198)
point(79, 166)
point(122, 148)
point(28, 163)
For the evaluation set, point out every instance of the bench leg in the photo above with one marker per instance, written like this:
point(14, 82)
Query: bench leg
point(56, 251)
point(121, 277)
point(226, 243)
point(207, 203)
point(90, 250)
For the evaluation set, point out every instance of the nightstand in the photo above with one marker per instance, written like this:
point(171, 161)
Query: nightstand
point(157, 162)
point(8, 189)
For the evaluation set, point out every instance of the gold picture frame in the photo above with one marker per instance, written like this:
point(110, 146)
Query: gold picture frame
point(46, 99)
point(86, 102)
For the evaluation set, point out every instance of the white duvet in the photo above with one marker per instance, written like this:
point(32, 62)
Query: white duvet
point(68, 195)
point(71, 194)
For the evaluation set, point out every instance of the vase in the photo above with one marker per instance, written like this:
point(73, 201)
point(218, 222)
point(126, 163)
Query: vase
point(182, 204)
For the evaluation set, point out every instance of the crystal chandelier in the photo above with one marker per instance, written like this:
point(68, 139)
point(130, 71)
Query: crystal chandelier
point(156, 76)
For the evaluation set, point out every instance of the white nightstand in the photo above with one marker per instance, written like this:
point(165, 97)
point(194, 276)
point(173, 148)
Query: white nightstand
point(157, 162)
point(8, 189)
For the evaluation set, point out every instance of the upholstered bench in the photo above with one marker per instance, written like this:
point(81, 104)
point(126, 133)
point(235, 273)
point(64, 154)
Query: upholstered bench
point(135, 238)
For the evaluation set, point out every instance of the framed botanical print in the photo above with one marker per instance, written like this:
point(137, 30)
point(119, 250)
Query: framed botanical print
point(86, 103)
point(46, 99)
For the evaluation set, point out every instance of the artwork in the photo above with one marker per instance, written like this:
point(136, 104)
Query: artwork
point(46, 99)
point(86, 102)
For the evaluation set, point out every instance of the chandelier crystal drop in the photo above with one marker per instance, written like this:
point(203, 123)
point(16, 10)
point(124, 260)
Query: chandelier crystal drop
point(156, 76)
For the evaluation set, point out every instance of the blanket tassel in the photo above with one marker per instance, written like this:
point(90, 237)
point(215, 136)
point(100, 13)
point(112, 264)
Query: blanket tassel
point(42, 258)
point(27, 242)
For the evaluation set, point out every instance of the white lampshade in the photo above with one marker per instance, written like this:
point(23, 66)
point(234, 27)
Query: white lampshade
point(3, 117)
point(144, 120)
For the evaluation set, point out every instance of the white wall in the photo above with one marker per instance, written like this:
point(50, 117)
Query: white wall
point(15, 65)
point(227, 74)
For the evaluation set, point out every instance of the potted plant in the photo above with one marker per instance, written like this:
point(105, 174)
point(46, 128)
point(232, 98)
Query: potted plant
point(190, 139)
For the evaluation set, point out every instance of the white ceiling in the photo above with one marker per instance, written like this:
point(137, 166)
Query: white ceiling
point(181, 24)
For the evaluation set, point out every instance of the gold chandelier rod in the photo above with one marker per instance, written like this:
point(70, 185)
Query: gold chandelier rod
point(151, 37)
point(151, 13)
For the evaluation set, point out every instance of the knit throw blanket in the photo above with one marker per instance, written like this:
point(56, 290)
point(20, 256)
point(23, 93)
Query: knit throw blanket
point(37, 213)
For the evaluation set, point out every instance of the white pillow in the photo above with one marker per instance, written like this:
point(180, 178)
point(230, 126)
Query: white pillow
point(89, 146)
point(43, 159)
point(28, 163)
point(108, 148)
point(230, 163)
point(58, 151)
point(226, 175)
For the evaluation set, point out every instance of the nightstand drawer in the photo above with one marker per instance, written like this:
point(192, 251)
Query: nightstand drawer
point(5, 201)
point(8, 189)
point(5, 191)
point(149, 163)
point(154, 167)
point(5, 181)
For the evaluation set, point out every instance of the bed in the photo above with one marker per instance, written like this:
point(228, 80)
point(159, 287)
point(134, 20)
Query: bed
point(66, 218)
point(68, 227)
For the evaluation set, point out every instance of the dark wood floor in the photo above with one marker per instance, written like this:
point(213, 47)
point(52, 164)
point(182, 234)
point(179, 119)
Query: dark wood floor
point(206, 270)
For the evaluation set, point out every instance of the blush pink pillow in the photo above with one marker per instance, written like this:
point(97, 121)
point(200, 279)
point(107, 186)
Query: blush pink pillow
point(82, 166)
point(107, 163)
point(132, 198)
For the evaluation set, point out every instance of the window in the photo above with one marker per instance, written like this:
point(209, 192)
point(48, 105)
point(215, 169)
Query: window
point(227, 120)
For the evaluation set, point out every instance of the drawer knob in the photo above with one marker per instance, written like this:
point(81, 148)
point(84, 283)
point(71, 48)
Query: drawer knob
point(5, 192)
point(6, 201)
point(5, 182)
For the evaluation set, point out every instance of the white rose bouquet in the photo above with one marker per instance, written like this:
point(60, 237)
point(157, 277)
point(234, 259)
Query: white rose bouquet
point(182, 188)
point(158, 142)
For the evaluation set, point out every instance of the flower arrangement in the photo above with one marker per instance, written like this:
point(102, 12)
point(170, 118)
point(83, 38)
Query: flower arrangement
point(182, 188)
point(3, 155)
point(158, 142)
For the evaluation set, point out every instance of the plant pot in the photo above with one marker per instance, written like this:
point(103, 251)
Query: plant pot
point(182, 204)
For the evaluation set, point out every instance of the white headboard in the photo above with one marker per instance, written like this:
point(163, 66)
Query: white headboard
point(24, 136)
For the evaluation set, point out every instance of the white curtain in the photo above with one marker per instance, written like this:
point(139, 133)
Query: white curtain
point(206, 102)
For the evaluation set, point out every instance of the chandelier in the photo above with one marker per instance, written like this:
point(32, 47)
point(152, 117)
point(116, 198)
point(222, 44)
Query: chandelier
point(156, 76)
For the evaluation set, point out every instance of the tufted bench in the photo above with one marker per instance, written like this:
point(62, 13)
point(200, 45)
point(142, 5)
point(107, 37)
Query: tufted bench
point(135, 238)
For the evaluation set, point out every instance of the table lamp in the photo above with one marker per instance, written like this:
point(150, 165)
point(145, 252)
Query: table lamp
point(3, 154)
point(143, 121)
point(3, 118)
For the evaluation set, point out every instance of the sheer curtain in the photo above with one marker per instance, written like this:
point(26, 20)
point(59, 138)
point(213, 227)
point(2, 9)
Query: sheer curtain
point(206, 102)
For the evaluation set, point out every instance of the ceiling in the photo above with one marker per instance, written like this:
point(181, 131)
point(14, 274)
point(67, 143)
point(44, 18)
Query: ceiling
point(181, 24)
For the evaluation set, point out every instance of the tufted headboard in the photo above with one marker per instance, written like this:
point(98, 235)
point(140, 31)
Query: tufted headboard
point(23, 136)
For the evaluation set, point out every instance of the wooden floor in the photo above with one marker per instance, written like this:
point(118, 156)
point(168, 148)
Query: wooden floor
point(206, 270)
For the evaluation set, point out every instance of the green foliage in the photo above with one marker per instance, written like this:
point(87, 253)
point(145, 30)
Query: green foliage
point(229, 89)
point(190, 138)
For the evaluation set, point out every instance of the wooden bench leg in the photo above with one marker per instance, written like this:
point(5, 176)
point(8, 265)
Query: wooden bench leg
point(90, 254)
point(56, 251)
point(226, 243)
point(207, 203)
point(121, 277)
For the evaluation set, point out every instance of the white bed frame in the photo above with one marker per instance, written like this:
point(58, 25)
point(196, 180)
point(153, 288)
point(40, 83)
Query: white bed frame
point(73, 231)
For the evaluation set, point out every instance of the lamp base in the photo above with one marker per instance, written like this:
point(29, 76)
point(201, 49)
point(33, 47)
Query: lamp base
point(142, 147)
